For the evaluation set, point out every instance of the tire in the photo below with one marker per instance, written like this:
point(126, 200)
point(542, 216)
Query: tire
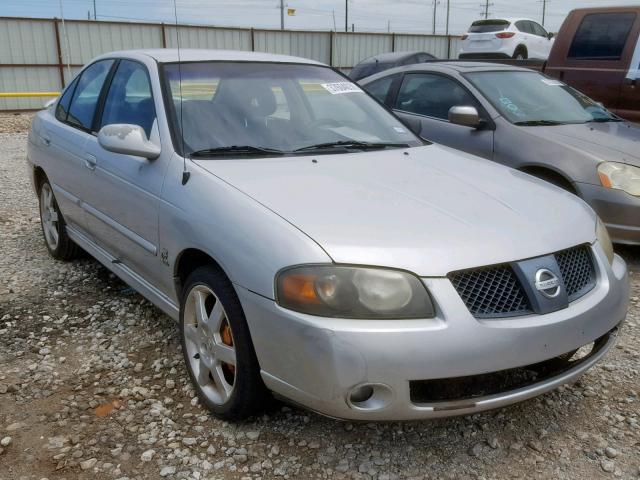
point(210, 347)
point(54, 230)
point(520, 53)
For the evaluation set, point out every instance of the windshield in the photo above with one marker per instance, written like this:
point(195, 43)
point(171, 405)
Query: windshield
point(532, 98)
point(274, 107)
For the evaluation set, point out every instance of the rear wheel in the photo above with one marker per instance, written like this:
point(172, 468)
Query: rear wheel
point(217, 347)
point(58, 243)
point(520, 53)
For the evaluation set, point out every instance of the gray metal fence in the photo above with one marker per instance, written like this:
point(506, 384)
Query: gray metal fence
point(41, 55)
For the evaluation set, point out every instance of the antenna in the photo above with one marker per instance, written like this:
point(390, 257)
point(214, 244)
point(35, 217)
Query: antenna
point(66, 36)
point(185, 174)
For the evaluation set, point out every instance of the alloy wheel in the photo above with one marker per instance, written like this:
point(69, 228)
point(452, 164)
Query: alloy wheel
point(49, 217)
point(209, 344)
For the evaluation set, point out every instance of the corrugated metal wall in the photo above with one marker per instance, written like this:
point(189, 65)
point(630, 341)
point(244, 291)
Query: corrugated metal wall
point(89, 39)
point(37, 54)
point(350, 48)
point(204, 37)
point(314, 45)
point(435, 45)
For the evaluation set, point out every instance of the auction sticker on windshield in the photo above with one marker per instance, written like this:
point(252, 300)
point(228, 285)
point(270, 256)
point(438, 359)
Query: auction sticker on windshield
point(337, 88)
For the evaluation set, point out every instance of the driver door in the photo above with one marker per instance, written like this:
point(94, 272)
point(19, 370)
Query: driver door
point(429, 97)
point(124, 197)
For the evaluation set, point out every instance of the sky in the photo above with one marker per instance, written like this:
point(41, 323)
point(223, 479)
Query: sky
point(412, 16)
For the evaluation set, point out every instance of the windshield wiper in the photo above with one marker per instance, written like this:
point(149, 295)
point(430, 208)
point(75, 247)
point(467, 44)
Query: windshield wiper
point(352, 144)
point(236, 150)
point(606, 119)
point(538, 123)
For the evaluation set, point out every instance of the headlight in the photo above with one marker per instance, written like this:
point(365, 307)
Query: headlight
point(620, 176)
point(353, 292)
point(604, 240)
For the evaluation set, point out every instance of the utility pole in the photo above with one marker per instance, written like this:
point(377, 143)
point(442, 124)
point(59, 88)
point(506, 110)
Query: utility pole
point(388, 26)
point(435, 4)
point(486, 8)
point(447, 27)
point(544, 10)
point(281, 14)
point(95, 15)
point(346, 15)
point(333, 13)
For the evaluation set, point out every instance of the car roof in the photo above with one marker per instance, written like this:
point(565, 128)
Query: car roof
point(391, 56)
point(447, 66)
point(168, 55)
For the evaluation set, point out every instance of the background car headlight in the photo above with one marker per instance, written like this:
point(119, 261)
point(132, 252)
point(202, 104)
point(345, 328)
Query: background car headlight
point(353, 292)
point(621, 176)
point(604, 240)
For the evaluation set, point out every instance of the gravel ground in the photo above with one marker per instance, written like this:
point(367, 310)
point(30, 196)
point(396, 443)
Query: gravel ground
point(92, 386)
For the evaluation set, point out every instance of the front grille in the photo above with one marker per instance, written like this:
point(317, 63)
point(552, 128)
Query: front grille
point(576, 267)
point(493, 292)
point(443, 392)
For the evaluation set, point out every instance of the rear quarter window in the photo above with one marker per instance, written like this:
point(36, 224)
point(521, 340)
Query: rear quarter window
point(601, 36)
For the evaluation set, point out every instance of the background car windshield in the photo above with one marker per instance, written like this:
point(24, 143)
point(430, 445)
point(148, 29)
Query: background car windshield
point(532, 97)
point(277, 106)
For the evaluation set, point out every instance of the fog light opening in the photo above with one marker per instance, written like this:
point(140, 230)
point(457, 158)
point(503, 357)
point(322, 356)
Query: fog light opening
point(370, 396)
point(361, 394)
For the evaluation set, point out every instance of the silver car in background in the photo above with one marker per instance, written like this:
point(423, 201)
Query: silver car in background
point(309, 245)
point(527, 121)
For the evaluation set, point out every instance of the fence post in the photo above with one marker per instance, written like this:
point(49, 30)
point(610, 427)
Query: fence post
point(331, 48)
point(164, 36)
point(59, 50)
point(448, 46)
point(253, 41)
point(393, 42)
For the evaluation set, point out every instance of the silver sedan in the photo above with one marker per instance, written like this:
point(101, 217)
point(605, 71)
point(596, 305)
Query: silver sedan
point(528, 121)
point(311, 247)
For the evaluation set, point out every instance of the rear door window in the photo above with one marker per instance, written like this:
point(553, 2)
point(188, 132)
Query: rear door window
point(483, 26)
point(602, 36)
point(85, 98)
point(524, 26)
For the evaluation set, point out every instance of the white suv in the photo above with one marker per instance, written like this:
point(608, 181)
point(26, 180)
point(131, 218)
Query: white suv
point(512, 38)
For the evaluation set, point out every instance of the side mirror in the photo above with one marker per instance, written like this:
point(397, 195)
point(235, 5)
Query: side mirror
point(128, 140)
point(466, 116)
point(550, 35)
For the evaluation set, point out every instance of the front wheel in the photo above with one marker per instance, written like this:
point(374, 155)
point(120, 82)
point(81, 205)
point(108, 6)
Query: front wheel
point(217, 347)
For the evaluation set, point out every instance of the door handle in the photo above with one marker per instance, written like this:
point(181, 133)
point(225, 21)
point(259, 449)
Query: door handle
point(90, 161)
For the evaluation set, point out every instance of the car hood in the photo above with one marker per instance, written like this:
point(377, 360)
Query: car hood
point(431, 210)
point(610, 141)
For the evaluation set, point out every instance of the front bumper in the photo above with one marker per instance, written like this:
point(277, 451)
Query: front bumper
point(317, 362)
point(618, 210)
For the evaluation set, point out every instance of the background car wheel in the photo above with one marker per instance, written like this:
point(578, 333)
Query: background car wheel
point(58, 243)
point(217, 347)
point(520, 53)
